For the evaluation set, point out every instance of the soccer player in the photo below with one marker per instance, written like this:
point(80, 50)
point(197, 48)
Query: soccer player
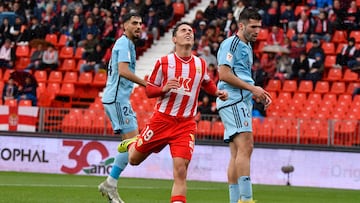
point(176, 81)
point(235, 59)
point(116, 98)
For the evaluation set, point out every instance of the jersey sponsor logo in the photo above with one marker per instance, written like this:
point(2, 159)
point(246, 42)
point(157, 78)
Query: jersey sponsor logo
point(184, 88)
point(229, 57)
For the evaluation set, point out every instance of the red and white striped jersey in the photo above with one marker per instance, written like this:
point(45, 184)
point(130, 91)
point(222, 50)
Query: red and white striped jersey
point(183, 101)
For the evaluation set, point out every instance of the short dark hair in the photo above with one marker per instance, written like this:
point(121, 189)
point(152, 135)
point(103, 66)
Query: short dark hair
point(129, 15)
point(177, 27)
point(249, 13)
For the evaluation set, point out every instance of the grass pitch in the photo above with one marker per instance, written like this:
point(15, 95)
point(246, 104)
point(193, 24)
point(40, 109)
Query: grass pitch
point(44, 188)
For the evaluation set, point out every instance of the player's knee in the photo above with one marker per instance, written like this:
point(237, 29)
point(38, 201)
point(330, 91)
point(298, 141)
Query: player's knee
point(133, 161)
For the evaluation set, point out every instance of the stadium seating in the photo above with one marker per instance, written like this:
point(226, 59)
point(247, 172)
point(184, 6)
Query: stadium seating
point(66, 53)
point(334, 74)
point(329, 48)
point(273, 85)
point(339, 36)
point(68, 64)
point(22, 51)
point(289, 86)
point(322, 87)
point(55, 77)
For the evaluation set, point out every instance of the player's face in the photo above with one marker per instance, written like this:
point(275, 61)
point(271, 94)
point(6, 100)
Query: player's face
point(251, 30)
point(133, 27)
point(184, 36)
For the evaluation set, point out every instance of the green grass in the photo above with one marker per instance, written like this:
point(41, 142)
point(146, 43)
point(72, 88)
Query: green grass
point(45, 188)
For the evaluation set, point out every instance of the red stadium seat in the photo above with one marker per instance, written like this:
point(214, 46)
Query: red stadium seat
point(355, 34)
point(22, 51)
point(330, 60)
point(52, 38)
point(339, 36)
point(203, 128)
point(334, 74)
point(329, 48)
point(100, 79)
point(289, 86)
point(338, 88)
point(305, 86)
point(70, 77)
point(322, 87)
point(55, 77)
point(85, 78)
point(40, 76)
point(273, 85)
point(68, 64)
point(350, 76)
point(66, 52)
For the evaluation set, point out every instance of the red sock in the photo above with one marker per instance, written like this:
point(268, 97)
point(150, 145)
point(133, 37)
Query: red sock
point(178, 198)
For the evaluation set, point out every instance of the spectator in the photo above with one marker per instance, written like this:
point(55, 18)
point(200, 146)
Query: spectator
point(238, 8)
point(276, 36)
point(208, 56)
point(89, 27)
point(50, 58)
point(298, 48)
point(224, 10)
point(316, 48)
point(300, 67)
point(89, 44)
point(36, 58)
point(287, 18)
point(166, 14)
point(226, 26)
point(10, 90)
point(347, 54)
point(62, 19)
point(258, 74)
point(322, 28)
point(201, 30)
point(74, 31)
point(272, 15)
point(210, 12)
point(353, 17)
point(48, 18)
point(7, 55)
point(15, 30)
point(35, 30)
point(214, 76)
point(152, 22)
point(109, 32)
point(303, 27)
point(316, 71)
point(283, 67)
point(28, 91)
point(207, 110)
point(337, 16)
point(5, 30)
point(354, 63)
point(94, 61)
point(268, 63)
point(135, 6)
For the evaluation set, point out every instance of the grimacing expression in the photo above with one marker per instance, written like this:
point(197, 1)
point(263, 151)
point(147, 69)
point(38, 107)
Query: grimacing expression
point(133, 27)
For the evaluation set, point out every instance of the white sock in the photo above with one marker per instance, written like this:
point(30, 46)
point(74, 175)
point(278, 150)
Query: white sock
point(112, 181)
point(177, 202)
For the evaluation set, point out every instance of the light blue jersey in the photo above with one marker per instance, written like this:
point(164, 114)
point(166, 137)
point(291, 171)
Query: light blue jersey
point(238, 56)
point(116, 97)
point(117, 88)
point(236, 111)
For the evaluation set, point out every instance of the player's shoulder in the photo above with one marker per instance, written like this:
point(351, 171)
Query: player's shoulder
point(233, 43)
point(123, 40)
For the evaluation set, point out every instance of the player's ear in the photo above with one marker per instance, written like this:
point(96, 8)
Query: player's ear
point(174, 40)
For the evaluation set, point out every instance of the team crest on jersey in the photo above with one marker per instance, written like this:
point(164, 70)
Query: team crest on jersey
point(246, 123)
point(127, 121)
point(229, 57)
point(198, 70)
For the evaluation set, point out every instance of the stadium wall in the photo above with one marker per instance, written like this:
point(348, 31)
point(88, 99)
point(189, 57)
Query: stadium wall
point(90, 156)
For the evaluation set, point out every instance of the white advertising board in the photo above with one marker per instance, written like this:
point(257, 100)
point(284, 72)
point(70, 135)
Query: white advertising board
point(209, 163)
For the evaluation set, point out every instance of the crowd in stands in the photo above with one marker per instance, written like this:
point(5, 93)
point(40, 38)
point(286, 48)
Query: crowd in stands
point(300, 27)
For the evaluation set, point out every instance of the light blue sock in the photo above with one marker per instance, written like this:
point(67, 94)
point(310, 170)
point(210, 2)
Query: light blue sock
point(245, 188)
point(234, 193)
point(121, 161)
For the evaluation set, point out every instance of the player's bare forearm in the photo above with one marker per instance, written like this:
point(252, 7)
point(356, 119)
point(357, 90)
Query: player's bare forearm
point(126, 73)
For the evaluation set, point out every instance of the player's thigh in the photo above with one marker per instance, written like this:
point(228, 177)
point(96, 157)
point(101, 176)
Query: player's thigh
point(122, 117)
point(237, 119)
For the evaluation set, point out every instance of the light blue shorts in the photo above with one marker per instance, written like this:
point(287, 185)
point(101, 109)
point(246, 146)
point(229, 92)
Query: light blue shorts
point(122, 117)
point(237, 118)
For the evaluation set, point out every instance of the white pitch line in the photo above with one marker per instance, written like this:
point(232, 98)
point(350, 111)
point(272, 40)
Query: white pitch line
point(92, 186)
